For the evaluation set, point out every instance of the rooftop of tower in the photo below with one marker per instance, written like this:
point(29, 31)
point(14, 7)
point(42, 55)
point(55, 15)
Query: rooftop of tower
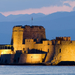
point(28, 26)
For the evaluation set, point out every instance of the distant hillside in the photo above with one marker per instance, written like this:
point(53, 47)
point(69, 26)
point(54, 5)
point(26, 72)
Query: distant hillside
point(56, 24)
point(39, 16)
point(59, 23)
point(2, 18)
point(21, 17)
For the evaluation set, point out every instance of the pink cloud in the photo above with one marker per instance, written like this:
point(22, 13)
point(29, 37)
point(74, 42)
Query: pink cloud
point(44, 10)
point(71, 3)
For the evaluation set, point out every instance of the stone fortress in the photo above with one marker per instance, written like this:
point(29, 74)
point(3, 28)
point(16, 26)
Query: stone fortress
point(30, 46)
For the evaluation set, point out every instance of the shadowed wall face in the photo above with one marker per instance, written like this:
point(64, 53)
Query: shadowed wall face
point(34, 32)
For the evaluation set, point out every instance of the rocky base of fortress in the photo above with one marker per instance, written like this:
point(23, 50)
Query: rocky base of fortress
point(66, 63)
point(63, 63)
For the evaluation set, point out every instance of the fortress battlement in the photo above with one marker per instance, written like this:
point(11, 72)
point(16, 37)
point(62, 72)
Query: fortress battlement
point(63, 38)
point(27, 27)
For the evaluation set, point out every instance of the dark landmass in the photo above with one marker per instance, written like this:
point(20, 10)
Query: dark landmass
point(63, 63)
point(66, 63)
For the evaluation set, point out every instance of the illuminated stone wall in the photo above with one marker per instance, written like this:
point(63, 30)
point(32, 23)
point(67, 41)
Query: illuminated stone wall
point(6, 51)
point(65, 51)
point(29, 44)
point(50, 54)
point(31, 58)
point(17, 38)
point(46, 46)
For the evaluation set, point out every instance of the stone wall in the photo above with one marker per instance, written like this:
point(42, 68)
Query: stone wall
point(7, 59)
point(6, 51)
point(34, 32)
point(21, 58)
point(17, 38)
point(31, 58)
point(50, 54)
point(64, 52)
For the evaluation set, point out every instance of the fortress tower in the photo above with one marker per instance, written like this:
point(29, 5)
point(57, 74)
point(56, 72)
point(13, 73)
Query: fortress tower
point(21, 33)
point(17, 37)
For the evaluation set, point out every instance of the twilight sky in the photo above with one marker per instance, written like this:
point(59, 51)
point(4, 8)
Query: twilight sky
point(16, 7)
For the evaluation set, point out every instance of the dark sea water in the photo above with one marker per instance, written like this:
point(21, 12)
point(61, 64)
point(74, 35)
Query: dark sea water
point(37, 70)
